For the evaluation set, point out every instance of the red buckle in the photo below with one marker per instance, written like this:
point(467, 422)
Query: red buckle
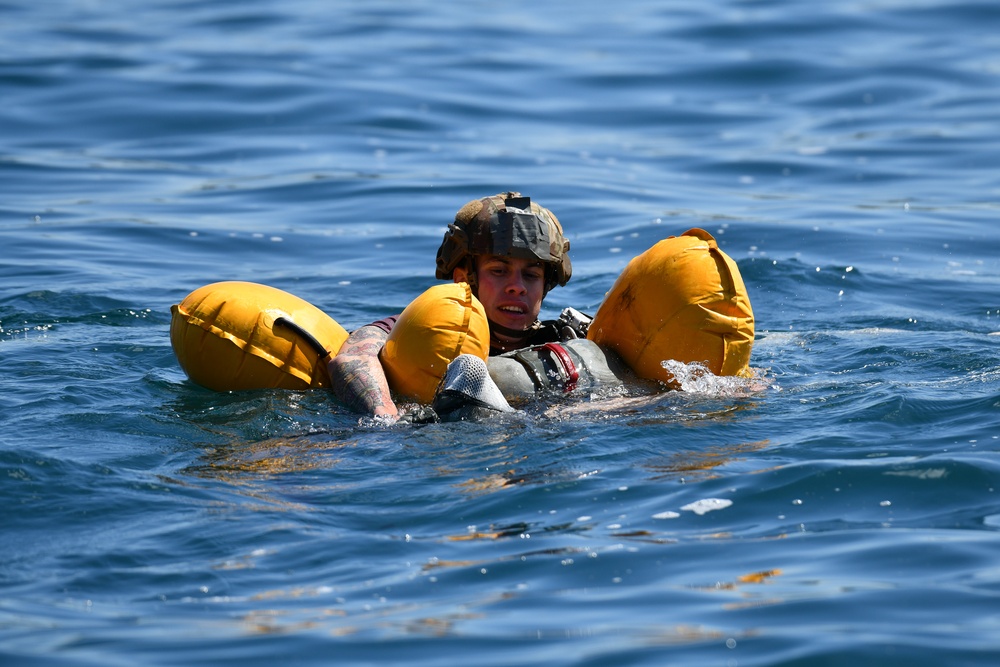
point(567, 363)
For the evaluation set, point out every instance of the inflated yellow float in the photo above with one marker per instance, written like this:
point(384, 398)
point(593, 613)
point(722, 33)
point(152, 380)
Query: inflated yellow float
point(231, 336)
point(683, 299)
point(445, 321)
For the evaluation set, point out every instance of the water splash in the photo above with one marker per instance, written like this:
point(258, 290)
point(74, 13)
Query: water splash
point(696, 378)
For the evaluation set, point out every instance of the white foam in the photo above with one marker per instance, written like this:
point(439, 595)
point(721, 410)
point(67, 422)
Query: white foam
point(706, 505)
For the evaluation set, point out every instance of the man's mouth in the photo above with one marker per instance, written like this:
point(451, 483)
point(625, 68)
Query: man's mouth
point(514, 310)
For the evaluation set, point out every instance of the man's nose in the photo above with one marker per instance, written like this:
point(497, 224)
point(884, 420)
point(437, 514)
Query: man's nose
point(515, 284)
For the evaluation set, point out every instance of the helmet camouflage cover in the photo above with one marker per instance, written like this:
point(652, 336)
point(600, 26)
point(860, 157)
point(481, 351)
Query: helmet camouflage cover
point(507, 225)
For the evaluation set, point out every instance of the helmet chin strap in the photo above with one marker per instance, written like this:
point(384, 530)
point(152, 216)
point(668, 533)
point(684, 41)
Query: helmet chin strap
point(470, 276)
point(512, 333)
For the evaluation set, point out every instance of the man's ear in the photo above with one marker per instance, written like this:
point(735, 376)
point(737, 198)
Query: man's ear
point(460, 275)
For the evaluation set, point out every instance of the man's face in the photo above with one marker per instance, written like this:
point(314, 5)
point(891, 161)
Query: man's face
point(510, 289)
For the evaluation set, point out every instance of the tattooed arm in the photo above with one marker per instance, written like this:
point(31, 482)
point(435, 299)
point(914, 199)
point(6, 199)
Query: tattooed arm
point(357, 374)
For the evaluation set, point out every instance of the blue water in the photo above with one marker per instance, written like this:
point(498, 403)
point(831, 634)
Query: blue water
point(845, 154)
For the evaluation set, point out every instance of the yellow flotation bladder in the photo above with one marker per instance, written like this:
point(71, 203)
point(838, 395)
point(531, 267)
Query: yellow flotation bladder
point(237, 335)
point(683, 299)
point(440, 324)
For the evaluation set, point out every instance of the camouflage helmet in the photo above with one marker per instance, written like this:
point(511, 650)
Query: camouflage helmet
point(507, 225)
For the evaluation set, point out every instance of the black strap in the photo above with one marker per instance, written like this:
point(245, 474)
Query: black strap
point(308, 337)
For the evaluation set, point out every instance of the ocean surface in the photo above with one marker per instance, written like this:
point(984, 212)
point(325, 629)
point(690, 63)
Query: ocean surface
point(844, 511)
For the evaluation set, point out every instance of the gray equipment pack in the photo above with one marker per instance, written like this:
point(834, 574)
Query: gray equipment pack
point(474, 390)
